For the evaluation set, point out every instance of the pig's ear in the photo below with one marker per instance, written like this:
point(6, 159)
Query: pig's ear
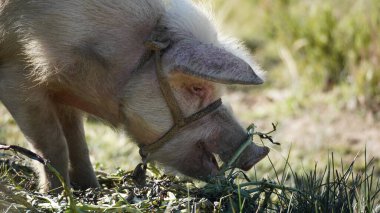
point(209, 62)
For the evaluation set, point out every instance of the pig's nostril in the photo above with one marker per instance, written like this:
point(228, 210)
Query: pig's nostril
point(255, 159)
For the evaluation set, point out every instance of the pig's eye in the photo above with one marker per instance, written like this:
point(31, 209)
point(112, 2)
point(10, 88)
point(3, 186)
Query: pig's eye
point(197, 90)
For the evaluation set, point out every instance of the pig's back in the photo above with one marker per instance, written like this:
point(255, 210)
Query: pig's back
point(63, 36)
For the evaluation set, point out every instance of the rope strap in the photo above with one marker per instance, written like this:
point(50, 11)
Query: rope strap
point(144, 150)
point(179, 119)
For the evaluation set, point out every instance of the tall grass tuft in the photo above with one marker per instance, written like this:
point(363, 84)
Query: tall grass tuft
point(333, 190)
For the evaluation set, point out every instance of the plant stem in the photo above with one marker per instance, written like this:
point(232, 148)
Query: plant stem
point(238, 152)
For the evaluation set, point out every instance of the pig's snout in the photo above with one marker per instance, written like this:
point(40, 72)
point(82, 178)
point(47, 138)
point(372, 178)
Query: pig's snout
point(252, 155)
point(228, 135)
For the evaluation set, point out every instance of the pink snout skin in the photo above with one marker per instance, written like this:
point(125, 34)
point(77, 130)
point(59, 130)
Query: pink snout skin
point(252, 155)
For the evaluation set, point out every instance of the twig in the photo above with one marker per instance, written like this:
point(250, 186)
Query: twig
point(267, 135)
point(123, 208)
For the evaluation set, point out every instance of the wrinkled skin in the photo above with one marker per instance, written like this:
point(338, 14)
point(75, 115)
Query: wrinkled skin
point(60, 59)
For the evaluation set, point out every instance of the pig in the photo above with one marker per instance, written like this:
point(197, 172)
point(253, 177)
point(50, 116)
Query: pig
point(62, 59)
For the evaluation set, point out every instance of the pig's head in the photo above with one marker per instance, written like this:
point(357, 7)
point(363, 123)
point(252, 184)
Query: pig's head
point(195, 72)
point(196, 65)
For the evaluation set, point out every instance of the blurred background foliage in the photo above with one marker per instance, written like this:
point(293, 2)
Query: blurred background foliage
point(322, 63)
point(312, 46)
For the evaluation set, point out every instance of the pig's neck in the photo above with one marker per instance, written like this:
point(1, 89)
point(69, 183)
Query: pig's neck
point(106, 108)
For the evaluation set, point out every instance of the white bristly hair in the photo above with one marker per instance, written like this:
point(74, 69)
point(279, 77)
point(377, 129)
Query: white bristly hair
point(184, 18)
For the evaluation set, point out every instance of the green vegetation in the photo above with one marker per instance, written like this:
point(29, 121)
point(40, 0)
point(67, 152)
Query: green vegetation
point(333, 190)
point(312, 46)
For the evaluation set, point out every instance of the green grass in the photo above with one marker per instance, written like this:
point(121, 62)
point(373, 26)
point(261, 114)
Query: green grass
point(333, 189)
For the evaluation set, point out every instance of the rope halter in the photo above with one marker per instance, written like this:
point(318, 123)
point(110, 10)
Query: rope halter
point(180, 121)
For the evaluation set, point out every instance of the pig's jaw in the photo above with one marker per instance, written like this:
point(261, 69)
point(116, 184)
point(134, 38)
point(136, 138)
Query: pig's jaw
point(212, 164)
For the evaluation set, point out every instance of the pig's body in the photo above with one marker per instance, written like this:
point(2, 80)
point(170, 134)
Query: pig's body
point(58, 58)
point(86, 48)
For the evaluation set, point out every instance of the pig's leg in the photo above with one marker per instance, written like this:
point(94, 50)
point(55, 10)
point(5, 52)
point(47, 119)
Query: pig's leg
point(81, 172)
point(37, 119)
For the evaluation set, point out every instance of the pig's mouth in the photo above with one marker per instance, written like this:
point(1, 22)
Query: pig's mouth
point(209, 161)
point(214, 161)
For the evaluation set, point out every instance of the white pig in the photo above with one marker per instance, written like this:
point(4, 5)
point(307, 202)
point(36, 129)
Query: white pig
point(59, 59)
